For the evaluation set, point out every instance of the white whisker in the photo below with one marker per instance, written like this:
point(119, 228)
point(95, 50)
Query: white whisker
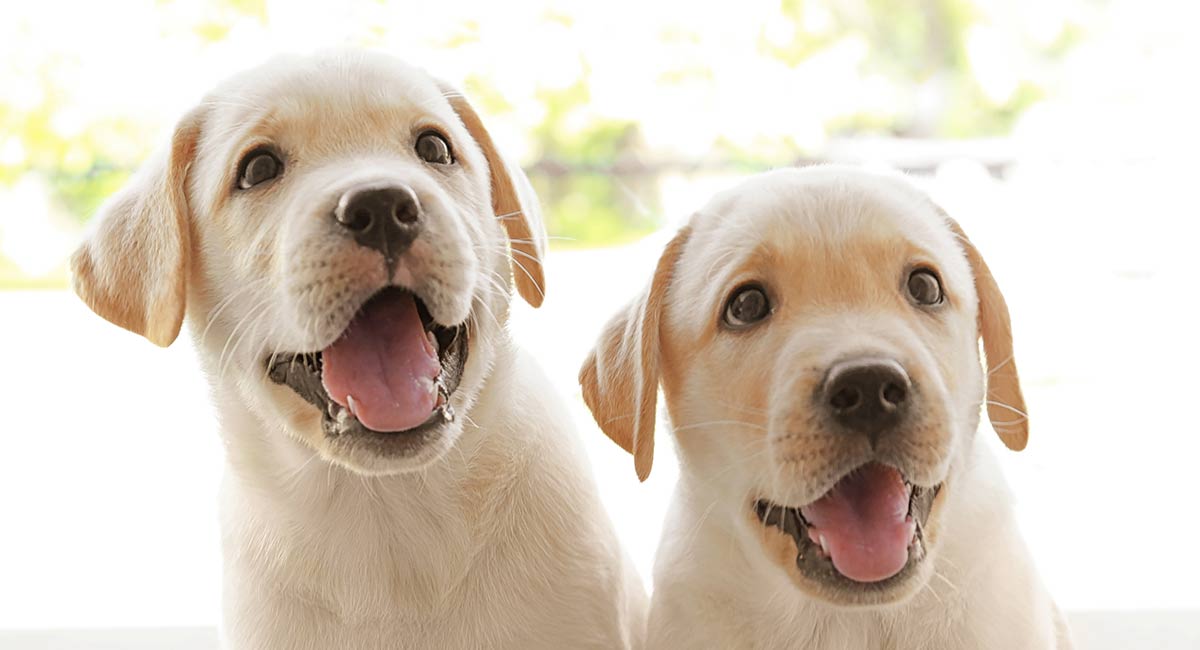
point(1023, 414)
point(710, 423)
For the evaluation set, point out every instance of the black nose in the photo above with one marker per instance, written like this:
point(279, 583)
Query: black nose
point(387, 219)
point(867, 396)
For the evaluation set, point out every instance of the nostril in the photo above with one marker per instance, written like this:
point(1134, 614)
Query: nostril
point(362, 215)
point(845, 399)
point(868, 396)
point(357, 219)
point(405, 212)
point(894, 394)
point(386, 219)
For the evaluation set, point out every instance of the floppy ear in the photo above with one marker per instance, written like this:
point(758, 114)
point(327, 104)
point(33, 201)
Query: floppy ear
point(132, 269)
point(1005, 403)
point(620, 376)
point(513, 203)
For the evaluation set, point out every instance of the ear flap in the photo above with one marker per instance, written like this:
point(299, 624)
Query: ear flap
point(513, 203)
point(132, 269)
point(620, 376)
point(1005, 403)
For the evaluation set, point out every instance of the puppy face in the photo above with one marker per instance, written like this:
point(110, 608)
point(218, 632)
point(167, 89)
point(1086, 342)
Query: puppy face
point(337, 229)
point(815, 336)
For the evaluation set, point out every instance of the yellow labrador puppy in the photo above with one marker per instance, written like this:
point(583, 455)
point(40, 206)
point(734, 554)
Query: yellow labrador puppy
point(341, 235)
point(815, 336)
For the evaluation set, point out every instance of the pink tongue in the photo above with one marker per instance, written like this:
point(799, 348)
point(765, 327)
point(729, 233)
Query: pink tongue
point(865, 521)
point(385, 362)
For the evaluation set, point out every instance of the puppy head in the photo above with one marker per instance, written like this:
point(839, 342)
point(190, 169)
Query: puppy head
point(815, 335)
point(341, 233)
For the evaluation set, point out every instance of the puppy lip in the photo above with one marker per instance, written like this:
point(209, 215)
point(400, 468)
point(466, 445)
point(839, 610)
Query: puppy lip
point(813, 561)
point(302, 372)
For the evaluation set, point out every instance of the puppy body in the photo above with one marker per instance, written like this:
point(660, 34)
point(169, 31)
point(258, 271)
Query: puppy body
point(758, 311)
point(342, 236)
point(502, 544)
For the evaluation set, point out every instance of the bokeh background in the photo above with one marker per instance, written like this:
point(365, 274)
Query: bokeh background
point(1061, 133)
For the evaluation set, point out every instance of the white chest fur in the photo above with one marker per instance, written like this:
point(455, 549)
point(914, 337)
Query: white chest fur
point(473, 552)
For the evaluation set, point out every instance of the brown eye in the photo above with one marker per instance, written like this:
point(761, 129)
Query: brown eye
point(747, 306)
point(433, 148)
point(259, 166)
point(924, 287)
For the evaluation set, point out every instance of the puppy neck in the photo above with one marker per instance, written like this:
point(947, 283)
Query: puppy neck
point(359, 542)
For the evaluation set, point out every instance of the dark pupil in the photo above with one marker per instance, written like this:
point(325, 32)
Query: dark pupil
point(433, 149)
point(924, 288)
point(262, 167)
point(749, 305)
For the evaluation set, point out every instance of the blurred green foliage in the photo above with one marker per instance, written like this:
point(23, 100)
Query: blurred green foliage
point(81, 170)
point(587, 200)
point(919, 42)
point(596, 175)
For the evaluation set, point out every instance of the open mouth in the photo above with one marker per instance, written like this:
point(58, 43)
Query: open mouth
point(867, 530)
point(389, 376)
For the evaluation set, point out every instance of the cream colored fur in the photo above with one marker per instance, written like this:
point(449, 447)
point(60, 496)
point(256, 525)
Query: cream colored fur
point(493, 535)
point(833, 246)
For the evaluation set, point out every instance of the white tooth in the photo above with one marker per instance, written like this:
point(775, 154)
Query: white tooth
point(824, 544)
point(343, 416)
point(351, 405)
